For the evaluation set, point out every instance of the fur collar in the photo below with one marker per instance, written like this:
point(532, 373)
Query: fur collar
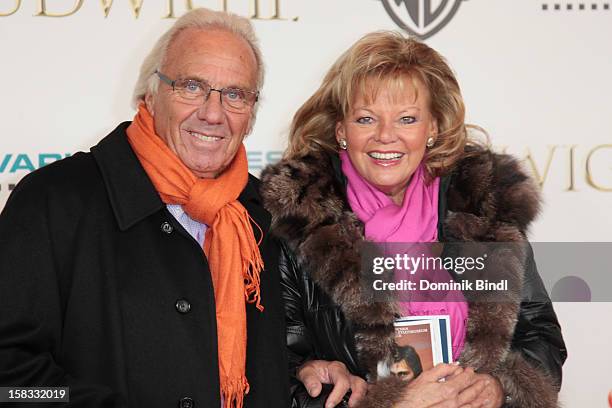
point(489, 199)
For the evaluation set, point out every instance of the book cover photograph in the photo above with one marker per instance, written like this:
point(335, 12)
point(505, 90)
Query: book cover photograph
point(422, 342)
point(414, 349)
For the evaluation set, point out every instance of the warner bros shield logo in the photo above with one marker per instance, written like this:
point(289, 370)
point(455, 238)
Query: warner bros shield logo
point(422, 18)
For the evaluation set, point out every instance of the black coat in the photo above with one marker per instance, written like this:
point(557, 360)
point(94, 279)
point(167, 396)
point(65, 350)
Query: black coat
point(330, 317)
point(93, 266)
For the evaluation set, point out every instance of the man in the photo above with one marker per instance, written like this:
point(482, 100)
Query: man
point(133, 273)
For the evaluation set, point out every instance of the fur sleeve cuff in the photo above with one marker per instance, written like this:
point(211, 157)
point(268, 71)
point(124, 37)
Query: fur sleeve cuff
point(527, 386)
point(384, 393)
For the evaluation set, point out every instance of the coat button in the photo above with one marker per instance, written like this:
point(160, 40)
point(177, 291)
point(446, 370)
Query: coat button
point(167, 228)
point(182, 306)
point(186, 402)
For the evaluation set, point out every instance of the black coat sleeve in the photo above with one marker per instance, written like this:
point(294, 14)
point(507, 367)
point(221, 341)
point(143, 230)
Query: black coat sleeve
point(299, 345)
point(538, 333)
point(531, 373)
point(32, 302)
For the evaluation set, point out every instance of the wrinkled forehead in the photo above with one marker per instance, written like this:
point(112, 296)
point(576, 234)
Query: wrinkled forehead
point(217, 49)
point(398, 87)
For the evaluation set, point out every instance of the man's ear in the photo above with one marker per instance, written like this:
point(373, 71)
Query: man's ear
point(249, 128)
point(148, 100)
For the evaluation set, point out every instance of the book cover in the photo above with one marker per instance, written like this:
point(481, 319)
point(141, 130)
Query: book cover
point(441, 335)
point(415, 349)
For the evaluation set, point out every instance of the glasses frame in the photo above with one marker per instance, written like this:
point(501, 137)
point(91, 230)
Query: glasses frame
point(172, 83)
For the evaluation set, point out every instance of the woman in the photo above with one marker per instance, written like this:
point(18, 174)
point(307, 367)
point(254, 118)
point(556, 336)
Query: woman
point(381, 153)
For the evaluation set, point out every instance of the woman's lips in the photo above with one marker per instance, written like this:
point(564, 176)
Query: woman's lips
point(386, 159)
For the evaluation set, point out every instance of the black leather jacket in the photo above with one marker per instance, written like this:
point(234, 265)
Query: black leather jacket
point(318, 330)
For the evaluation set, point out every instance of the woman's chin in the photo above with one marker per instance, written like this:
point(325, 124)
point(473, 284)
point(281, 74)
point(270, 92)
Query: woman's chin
point(390, 188)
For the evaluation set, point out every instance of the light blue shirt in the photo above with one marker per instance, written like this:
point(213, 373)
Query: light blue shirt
point(196, 229)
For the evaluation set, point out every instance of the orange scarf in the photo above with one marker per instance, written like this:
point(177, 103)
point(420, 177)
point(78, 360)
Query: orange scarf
point(229, 245)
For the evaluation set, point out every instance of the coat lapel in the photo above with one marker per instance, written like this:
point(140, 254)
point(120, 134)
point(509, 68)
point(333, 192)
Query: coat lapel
point(131, 193)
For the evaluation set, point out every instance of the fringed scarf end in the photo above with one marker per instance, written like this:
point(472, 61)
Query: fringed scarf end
point(252, 268)
point(233, 392)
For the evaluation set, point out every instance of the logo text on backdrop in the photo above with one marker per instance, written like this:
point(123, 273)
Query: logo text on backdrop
point(257, 9)
point(422, 18)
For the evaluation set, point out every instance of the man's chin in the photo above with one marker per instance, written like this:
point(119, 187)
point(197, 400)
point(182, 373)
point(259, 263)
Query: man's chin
point(208, 170)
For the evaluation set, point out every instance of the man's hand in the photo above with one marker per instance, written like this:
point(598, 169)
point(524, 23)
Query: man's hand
point(314, 373)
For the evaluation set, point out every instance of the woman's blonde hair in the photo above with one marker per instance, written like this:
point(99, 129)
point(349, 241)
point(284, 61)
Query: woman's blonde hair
point(380, 59)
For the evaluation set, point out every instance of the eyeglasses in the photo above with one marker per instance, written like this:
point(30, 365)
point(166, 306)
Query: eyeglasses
point(195, 92)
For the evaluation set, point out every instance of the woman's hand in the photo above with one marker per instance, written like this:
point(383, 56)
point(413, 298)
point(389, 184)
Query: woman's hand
point(444, 386)
point(491, 396)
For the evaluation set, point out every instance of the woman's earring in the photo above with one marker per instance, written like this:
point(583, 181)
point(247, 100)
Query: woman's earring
point(343, 144)
point(430, 141)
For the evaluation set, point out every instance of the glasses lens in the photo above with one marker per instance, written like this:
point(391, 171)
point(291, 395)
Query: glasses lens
point(191, 91)
point(234, 99)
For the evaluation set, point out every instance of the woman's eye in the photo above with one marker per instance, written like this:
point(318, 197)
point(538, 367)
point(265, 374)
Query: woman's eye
point(407, 120)
point(364, 120)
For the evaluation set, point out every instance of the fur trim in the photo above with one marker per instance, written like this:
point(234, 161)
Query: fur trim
point(490, 199)
point(527, 386)
point(385, 394)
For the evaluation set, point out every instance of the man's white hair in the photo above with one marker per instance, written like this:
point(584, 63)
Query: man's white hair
point(200, 18)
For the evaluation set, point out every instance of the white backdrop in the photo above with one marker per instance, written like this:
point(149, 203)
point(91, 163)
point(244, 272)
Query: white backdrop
point(536, 77)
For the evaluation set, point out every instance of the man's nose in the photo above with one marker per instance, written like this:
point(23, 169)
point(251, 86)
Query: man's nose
point(212, 110)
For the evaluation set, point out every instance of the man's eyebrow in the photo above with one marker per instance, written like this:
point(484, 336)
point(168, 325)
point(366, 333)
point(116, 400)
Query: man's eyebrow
point(205, 81)
point(192, 78)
